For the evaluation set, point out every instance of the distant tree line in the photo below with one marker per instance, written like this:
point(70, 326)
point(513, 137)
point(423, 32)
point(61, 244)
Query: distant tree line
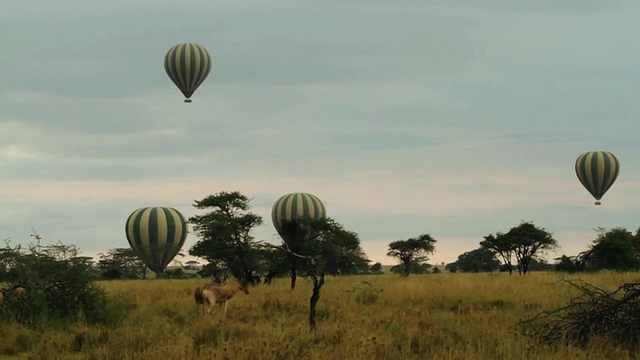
point(226, 244)
point(521, 248)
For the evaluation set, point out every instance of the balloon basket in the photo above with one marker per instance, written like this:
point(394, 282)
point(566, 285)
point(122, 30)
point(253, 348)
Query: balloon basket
point(598, 203)
point(187, 100)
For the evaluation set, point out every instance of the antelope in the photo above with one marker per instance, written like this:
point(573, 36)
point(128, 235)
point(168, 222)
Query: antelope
point(198, 293)
point(217, 293)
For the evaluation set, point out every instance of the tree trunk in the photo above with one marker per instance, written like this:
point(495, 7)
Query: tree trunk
point(317, 286)
point(293, 276)
point(407, 265)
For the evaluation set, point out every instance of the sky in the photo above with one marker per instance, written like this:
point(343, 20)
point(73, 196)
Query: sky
point(455, 118)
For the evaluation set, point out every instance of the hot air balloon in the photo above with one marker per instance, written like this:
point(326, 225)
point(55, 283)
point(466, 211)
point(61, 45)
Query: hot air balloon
point(187, 65)
point(156, 234)
point(295, 206)
point(597, 171)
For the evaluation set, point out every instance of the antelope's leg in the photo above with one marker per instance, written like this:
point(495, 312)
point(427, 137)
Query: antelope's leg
point(206, 306)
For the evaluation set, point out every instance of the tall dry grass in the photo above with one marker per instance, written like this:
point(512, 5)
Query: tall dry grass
point(443, 316)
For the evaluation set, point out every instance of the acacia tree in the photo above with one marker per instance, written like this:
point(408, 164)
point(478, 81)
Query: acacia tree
point(413, 250)
point(323, 247)
point(524, 242)
point(502, 245)
point(343, 257)
point(530, 243)
point(225, 235)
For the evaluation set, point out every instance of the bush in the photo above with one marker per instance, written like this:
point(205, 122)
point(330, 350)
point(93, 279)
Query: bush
point(51, 284)
point(614, 316)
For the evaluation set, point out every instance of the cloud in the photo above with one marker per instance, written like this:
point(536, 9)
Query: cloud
point(458, 120)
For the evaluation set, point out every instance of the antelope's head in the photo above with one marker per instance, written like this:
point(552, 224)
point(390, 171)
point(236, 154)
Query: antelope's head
point(242, 285)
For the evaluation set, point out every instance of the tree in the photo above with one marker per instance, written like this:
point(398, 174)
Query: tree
point(502, 245)
point(225, 235)
point(573, 264)
point(414, 268)
point(277, 262)
point(478, 260)
point(614, 249)
point(525, 242)
point(412, 250)
point(376, 268)
point(566, 264)
point(344, 255)
point(121, 263)
point(530, 242)
point(50, 284)
point(323, 247)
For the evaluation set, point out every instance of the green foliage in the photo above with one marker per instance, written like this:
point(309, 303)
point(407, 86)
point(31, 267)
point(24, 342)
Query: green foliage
point(376, 268)
point(413, 250)
point(121, 263)
point(225, 235)
point(503, 246)
point(566, 264)
point(320, 247)
point(277, 262)
point(615, 249)
point(335, 250)
point(540, 264)
point(478, 260)
point(414, 268)
point(524, 242)
point(52, 285)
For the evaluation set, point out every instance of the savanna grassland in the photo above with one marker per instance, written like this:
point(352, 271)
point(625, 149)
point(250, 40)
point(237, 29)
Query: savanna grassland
point(436, 316)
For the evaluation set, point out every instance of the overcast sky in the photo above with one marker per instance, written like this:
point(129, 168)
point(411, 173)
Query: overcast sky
point(456, 118)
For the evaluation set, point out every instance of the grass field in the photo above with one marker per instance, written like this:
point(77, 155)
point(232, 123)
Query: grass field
point(443, 316)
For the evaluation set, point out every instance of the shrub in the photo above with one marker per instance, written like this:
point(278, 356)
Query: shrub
point(595, 312)
point(51, 284)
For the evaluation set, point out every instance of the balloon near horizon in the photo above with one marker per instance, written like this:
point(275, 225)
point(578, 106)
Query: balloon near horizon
point(187, 65)
point(156, 234)
point(597, 171)
point(294, 206)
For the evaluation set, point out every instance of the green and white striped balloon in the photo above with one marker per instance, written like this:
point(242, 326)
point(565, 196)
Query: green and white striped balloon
point(156, 234)
point(597, 171)
point(187, 65)
point(295, 206)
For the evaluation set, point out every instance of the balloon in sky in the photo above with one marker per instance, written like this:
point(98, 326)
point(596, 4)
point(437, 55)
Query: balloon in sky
point(597, 171)
point(156, 234)
point(295, 206)
point(187, 65)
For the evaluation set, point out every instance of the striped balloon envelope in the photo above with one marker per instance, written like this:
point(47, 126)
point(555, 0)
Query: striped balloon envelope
point(296, 206)
point(156, 234)
point(597, 171)
point(187, 65)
